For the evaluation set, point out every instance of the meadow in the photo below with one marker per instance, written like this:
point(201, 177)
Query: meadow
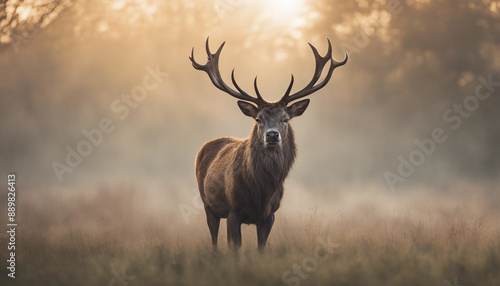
point(123, 236)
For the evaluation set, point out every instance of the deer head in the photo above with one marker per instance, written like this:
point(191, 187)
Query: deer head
point(271, 118)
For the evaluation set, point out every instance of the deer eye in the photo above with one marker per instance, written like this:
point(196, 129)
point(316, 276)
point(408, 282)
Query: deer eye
point(285, 120)
point(258, 120)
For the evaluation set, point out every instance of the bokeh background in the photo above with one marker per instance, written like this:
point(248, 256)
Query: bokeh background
point(65, 62)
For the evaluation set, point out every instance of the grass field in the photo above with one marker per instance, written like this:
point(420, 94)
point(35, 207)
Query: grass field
point(117, 236)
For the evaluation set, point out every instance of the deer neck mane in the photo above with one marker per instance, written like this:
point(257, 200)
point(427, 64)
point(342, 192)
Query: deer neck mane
point(270, 165)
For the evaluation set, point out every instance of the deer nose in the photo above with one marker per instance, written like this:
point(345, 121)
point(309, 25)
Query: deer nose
point(272, 136)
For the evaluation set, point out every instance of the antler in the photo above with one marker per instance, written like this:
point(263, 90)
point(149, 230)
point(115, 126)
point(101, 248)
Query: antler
point(212, 69)
point(312, 86)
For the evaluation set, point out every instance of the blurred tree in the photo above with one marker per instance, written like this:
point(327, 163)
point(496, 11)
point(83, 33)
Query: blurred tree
point(20, 20)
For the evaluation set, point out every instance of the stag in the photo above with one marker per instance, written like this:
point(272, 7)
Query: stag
point(242, 180)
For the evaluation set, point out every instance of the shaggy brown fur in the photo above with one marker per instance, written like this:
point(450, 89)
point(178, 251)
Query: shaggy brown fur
point(242, 180)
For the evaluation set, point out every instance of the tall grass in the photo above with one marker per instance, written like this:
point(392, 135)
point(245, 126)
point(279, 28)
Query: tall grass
point(95, 239)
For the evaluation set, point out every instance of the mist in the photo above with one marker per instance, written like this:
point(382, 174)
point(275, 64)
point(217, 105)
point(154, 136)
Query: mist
point(409, 64)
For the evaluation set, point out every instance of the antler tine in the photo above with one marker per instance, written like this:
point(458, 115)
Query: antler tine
point(257, 90)
point(320, 65)
point(212, 69)
point(289, 87)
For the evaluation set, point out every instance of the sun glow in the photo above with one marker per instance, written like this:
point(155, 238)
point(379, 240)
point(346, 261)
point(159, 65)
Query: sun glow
point(285, 7)
point(281, 10)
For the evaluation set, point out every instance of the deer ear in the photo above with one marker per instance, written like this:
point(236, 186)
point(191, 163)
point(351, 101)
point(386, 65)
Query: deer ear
point(298, 108)
point(248, 109)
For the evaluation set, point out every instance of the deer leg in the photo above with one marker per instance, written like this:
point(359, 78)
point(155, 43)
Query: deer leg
point(234, 229)
point(213, 225)
point(263, 230)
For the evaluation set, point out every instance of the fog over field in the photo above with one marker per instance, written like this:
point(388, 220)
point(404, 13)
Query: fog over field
point(103, 114)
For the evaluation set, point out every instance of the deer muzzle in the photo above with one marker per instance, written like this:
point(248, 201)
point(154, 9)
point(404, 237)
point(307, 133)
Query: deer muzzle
point(272, 136)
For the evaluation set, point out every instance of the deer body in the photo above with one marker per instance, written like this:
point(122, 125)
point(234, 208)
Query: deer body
point(244, 175)
point(242, 180)
point(235, 176)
